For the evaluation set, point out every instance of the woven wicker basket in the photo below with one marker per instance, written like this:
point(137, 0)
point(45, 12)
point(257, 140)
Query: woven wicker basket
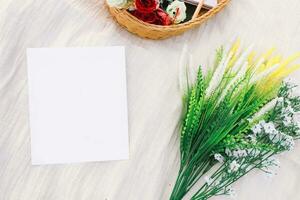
point(155, 32)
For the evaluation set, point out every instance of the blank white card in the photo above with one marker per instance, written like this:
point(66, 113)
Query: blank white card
point(77, 104)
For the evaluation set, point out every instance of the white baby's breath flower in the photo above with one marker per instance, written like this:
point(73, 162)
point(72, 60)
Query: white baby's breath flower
point(287, 120)
point(273, 132)
point(288, 110)
point(117, 3)
point(269, 128)
point(219, 157)
point(280, 101)
point(270, 172)
point(270, 166)
point(253, 152)
point(238, 153)
point(274, 162)
point(228, 152)
point(234, 166)
point(276, 137)
point(242, 153)
point(284, 140)
point(235, 153)
point(262, 122)
point(257, 129)
point(252, 138)
point(177, 11)
point(231, 192)
point(287, 142)
point(208, 180)
point(288, 102)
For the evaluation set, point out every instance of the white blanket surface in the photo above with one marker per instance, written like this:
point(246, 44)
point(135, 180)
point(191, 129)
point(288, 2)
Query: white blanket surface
point(154, 99)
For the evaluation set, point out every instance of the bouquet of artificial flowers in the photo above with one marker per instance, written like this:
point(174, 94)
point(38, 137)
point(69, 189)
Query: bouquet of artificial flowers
point(159, 12)
point(236, 119)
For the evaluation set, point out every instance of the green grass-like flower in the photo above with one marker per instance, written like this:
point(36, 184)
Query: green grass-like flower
point(221, 109)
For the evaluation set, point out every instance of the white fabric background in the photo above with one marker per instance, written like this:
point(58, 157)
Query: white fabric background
point(153, 96)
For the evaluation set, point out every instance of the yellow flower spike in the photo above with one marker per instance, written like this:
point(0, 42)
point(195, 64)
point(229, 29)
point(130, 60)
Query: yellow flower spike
point(261, 68)
point(235, 46)
point(267, 85)
point(278, 73)
point(274, 60)
point(251, 58)
point(290, 59)
point(232, 61)
point(262, 60)
point(290, 70)
point(262, 87)
point(266, 57)
point(268, 53)
point(233, 50)
point(284, 70)
point(274, 78)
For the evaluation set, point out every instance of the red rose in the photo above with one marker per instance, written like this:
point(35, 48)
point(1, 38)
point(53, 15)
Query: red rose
point(158, 17)
point(162, 17)
point(145, 17)
point(146, 6)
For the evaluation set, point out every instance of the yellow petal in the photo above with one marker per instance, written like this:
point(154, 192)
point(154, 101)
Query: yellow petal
point(232, 61)
point(290, 59)
point(273, 61)
point(251, 58)
point(262, 68)
point(268, 53)
point(284, 70)
point(290, 70)
point(235, 46)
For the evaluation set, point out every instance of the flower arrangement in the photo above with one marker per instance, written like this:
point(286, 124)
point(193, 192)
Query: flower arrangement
point(157, 12)
point(237, 118)
point(161, 19)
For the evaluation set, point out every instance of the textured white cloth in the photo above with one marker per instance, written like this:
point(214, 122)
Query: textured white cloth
point(153, 97)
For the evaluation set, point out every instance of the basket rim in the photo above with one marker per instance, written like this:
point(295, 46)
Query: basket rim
point(221, 3)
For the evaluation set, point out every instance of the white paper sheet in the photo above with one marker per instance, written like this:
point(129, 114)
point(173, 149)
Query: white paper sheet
point(77, 104)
